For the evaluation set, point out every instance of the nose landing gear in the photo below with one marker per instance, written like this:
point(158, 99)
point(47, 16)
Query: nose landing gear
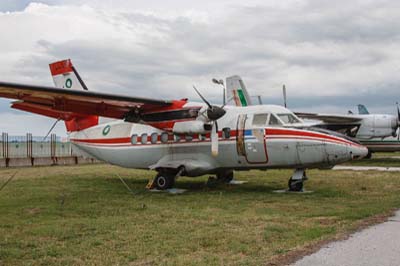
point(296, 182)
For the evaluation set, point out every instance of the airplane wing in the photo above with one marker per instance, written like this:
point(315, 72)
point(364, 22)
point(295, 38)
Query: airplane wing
point(64, 103)
point(331, 119)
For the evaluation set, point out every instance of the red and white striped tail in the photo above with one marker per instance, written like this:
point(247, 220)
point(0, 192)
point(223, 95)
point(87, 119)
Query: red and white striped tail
point(65, 75)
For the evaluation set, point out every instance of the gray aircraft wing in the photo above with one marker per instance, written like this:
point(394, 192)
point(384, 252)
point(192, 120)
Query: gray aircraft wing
point(331, 119)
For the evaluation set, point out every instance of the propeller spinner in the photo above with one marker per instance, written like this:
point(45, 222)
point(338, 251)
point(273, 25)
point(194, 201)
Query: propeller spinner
point(213, 114)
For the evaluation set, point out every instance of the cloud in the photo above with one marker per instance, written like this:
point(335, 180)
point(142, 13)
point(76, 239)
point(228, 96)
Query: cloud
point(325, 52)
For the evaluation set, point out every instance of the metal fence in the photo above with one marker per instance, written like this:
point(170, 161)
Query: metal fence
point(33, 146)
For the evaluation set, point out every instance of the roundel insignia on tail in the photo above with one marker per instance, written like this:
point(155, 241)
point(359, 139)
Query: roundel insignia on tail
point(68, 83)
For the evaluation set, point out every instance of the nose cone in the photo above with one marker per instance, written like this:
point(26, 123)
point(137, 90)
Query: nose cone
point(358, 151)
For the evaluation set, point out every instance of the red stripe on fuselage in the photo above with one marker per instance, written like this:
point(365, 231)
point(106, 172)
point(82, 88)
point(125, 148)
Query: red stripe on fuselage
point(279, 132)
point(271, 134)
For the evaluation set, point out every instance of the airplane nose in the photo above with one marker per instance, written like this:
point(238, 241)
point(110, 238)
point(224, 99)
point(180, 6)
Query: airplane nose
point(358, 152)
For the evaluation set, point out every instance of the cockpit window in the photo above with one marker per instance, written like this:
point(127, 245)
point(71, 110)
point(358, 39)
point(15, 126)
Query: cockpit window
point(260, 119)
point(289, 118)
point(273, 121)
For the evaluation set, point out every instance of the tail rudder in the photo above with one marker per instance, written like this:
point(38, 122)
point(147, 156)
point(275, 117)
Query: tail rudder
point(237, 92)
point(362, 110)
point(65, 75)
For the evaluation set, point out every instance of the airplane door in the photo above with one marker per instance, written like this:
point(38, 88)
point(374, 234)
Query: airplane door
point(251, 142)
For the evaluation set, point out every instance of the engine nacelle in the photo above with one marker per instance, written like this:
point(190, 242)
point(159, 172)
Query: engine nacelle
point(377, 126)
point(190, 127)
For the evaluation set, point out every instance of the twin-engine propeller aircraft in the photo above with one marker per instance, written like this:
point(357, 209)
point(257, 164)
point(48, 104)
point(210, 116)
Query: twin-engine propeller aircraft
point(178, 137)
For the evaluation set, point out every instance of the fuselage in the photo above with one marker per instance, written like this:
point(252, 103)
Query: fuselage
point(261, 137)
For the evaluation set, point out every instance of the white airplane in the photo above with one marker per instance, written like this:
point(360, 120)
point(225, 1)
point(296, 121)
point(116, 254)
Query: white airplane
point(376, 131)
point(178, 137)
point(386, 144)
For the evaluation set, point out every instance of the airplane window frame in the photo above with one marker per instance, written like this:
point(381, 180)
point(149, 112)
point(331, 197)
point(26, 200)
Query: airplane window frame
point(143, 138)
point(134, 139)
point(279, 122)
point(266, 121)
point(202, 137)
point(164, 137)
point(226, 132)
point(292, 119)
point(154, 138)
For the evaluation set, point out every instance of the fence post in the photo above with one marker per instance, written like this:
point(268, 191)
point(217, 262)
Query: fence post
point(4, 139)
point(53, 144)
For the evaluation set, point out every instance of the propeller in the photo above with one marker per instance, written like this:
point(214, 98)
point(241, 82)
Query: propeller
point(398, 122)
point(213, 114)
point(284, 95)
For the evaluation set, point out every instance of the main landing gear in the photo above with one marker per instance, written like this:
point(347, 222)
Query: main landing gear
point(296, 182)
point(165, 179)
point(225, 177)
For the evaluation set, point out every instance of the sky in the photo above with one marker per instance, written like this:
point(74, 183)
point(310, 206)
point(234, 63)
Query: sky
point(331, 55)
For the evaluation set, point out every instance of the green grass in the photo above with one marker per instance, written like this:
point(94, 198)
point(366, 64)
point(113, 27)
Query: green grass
point(83, 215)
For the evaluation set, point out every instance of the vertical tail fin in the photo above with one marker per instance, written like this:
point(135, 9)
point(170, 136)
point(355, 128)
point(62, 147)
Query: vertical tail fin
point(362, 110)
point(236, 91)
point(65, 76)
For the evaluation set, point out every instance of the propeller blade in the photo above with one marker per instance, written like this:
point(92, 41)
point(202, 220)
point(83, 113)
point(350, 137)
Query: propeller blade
point(398, 112)
point(398, 122)
point(284, 96)
point(214, 140)
point(201, 96)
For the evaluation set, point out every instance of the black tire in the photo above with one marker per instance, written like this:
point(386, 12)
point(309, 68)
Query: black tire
point(369, 155)
point(295, 185)
point(164, 181)
point(225, 177)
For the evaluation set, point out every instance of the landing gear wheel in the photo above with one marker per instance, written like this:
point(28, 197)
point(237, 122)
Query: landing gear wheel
point(369, 155)
point(295, 185)
point(225, 177)
point(164, 181)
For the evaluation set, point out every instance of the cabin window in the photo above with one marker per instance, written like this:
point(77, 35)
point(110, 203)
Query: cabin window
point(273, 121)
point(260, 119)
point(134, 139)
point(143, 138)
point(164, 137)
point(189, 137)
point(154, 138)
point(226, 132)
point(288, 118)
point(202, 137)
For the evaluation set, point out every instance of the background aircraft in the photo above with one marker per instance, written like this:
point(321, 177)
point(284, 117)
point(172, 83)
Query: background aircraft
point(387, 144)
point(178, 137)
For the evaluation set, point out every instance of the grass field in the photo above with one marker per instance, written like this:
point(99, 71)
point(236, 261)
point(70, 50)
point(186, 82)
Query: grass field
point(83, 215)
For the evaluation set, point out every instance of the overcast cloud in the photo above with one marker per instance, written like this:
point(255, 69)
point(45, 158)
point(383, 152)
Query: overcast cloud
point(331, 55)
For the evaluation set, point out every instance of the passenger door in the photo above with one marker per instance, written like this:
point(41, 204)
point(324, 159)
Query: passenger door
point(251, 140)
